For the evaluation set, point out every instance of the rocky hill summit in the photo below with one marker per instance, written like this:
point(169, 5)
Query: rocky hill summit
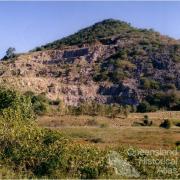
point(109, 62)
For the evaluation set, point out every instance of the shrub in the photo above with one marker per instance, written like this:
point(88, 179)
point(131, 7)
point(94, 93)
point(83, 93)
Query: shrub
point(121, 54)
point(88, 173)
point(39, 102)
point(177, 143)
point(40, 108)
point(103, 125)
point(170, 100)
point(176, 58)
point(169, 86)
point(55, 102)
point(146, 83)
point(118, 75)
point(143, 107)
point(177, 124)
point(96, 140)
point(146, 121)
point(166, 124)
point(102, 76)
point(125, 65)
point(94, 109)
point(13, 105)
point(42, 153)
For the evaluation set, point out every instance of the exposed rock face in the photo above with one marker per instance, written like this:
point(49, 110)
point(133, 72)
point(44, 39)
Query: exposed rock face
point(76, 53)
point(120, 94)
point(48, 72)
point(69, 73)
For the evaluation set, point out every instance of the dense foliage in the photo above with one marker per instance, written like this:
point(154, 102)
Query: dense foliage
point(40, 103)
point(90, 34)
point(14, 105)
point(28, 151)
point(95, 109)
point(35, 152)
point(161, 100)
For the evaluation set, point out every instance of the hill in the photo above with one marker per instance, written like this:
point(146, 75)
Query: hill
point(104, 29)
point(108, 62)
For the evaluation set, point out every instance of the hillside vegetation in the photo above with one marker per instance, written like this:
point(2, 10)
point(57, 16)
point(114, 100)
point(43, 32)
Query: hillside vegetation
point(110, 62)
point(91, 34)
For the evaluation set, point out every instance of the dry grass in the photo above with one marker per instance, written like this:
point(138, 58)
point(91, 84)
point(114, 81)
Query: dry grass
point(56, 120)
point(142, 137)
point(156, 117)
point(106, 132)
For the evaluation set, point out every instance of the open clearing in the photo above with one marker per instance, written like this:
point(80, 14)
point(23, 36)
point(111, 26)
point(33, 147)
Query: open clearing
point(106, 132)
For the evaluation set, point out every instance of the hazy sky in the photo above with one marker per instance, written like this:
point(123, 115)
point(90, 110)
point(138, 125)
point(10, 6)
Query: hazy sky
point(25, 25)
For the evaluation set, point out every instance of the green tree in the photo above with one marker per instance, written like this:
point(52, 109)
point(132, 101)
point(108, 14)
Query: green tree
point(10, 53)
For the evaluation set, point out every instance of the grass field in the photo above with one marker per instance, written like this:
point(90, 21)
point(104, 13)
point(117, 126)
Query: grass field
point(106, 132)
point(148, 138)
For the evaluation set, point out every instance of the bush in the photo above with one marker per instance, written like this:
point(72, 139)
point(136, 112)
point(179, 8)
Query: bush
point(166, 124)
point(55, 102)
point(96, 140)
point(103, 125)
point(146, 121)
point(177, 143)
point(146, 83)
point(88, 173)
point(170, 100)
point(169, 86)
point(177, 124)
point(101, 76)
point(42, 153)
point(122, 54)
point(14, 106)
point(125, 65)
point(118, 75)
point(143, 107)
point(39, 102)
point(95, 109)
